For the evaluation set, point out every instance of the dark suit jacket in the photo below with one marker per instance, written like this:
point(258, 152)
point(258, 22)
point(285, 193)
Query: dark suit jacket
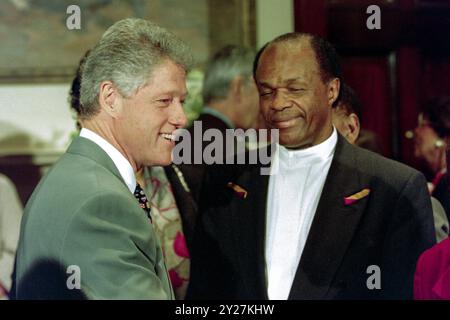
point(390, 228)
point(194, 175)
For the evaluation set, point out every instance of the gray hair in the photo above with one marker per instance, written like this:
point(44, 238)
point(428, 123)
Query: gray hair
point(126, 55)
point(227, 63)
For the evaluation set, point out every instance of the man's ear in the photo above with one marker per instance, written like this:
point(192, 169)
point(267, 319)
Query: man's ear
point(354, 128)
point(109, 98)
point(333, 90)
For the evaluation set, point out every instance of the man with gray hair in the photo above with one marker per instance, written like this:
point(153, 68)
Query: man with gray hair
point(231, 101)
point(87, 230)
point(229, 91)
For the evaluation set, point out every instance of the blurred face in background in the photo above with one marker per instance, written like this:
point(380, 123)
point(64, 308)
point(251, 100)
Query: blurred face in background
point(428, 146)
point(346, 123)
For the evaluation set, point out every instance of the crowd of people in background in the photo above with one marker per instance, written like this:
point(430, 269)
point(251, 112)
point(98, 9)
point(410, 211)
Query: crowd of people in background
point(140, 227)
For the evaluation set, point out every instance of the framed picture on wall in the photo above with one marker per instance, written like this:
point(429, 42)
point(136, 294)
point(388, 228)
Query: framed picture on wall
point(39, 47)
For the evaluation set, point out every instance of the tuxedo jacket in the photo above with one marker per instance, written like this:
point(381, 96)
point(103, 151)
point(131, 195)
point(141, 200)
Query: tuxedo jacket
point(82, 225)
point(389, 228)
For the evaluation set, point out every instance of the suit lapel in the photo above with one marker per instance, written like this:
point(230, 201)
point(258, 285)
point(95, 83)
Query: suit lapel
point(332, 228)
point(248, 219)
point(86, 148)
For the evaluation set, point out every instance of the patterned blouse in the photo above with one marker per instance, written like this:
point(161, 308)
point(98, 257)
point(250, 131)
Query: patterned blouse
point(167, 222)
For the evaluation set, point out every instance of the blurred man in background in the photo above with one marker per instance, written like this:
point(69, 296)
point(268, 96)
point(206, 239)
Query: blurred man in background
point(230, 102)
point(229, 92)
point(347, 119)
point(345, 114)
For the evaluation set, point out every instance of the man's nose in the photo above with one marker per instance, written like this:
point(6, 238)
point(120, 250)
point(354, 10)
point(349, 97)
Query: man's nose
point(280, 101)
point(178, 117)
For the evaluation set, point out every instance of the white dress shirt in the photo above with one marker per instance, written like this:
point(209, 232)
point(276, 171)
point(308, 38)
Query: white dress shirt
point(123, 165)
point(293, 196)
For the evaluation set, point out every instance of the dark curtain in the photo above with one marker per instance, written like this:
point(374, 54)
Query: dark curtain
point(392, 94)
point(369, 77)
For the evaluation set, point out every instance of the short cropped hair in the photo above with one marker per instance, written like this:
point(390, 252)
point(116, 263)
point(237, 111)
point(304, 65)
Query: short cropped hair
point(326, 55)
point(126, 55)
point(226, 64)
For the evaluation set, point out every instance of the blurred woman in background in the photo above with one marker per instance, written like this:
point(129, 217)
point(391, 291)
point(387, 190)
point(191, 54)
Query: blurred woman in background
point(430, 144)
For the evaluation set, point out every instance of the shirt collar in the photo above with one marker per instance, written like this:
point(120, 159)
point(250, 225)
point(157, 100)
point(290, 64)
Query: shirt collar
point(217, 114)
point(305, 157)
point(122, 164)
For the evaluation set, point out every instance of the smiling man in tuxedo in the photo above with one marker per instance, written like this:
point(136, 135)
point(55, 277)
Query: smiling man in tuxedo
point(87, 229)
point(328, 218)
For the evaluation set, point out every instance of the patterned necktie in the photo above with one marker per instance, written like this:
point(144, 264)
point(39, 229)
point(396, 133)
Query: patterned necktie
point(142, 198)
